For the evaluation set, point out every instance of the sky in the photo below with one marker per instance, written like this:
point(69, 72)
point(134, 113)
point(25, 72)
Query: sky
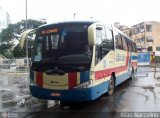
point(127, 12)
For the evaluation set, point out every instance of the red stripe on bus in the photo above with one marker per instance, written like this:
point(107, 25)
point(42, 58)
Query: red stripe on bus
point(72, 79)
point(39, 78)
point(107, 72)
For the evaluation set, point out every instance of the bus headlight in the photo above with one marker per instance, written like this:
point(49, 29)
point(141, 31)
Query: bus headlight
point(86, 84)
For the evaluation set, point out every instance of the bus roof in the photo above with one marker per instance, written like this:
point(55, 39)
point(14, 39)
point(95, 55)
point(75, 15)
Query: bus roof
point(85, 22)
point(66, 22)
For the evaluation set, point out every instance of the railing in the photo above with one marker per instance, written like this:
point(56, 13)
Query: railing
point(10, 70)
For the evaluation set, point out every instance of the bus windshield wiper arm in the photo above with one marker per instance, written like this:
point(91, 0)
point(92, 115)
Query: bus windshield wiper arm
point(36, 68)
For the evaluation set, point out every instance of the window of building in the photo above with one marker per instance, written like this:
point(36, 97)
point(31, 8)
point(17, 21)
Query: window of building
point(138, 30)
point(138, 40)
point(148, 28)
point(142, 27)
point(149, 38)
point(157, 48)
point(150, 48)
point(142, 39)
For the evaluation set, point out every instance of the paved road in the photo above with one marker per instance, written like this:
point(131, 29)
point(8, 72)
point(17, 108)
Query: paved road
point(142, 94)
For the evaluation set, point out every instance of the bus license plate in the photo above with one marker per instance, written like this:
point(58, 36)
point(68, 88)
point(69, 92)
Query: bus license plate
point(55, 94)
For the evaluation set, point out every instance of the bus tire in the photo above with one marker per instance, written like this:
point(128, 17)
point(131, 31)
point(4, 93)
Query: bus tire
point(65, 105)
point(111, 86)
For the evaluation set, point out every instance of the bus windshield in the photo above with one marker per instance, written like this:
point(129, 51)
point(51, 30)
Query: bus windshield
point(63, 45)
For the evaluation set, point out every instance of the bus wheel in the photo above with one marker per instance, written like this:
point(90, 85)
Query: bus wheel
point(64, 105)
point(111, 86)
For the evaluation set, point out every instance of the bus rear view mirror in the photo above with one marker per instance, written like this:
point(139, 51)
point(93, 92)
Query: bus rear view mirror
point(24, 36)
point(92, 35)
point(99, 28)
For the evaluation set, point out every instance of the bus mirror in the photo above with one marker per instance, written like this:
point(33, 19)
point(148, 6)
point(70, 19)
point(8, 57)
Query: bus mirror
point(92, 35)
point(99, 28)
point(24, 35)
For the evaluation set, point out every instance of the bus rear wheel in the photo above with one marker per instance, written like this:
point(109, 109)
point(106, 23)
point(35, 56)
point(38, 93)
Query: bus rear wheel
point(111, 86)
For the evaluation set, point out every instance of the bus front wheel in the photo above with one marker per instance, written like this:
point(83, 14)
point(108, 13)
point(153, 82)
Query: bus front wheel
point(111, 86)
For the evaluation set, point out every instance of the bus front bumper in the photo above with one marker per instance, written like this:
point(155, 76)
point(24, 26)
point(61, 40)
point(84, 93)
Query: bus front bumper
point(72, 95)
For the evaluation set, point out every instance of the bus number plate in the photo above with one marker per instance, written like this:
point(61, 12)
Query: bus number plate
point(55, 94)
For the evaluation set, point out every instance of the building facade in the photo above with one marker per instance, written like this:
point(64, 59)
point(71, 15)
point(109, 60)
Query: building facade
point(147, 36)
point(4, 19)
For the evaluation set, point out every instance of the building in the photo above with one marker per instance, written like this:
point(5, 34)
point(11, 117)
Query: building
point(4, 19)
point(127, 31)
point(147, 36)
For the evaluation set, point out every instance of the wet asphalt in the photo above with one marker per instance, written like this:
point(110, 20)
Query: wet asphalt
point(141, 94)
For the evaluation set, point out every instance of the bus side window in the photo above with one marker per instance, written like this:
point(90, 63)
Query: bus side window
point(118, 41)
point(108, 42)
point(103, 47)
point(124, 40)
point(98, 55)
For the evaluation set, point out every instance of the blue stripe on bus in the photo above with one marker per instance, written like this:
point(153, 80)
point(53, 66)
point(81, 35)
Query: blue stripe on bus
point(72, 95)
point(122, 78)
point(84, 76)
point(134, 57)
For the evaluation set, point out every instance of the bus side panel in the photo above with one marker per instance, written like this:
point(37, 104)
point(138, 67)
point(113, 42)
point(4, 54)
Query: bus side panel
point(122, 77)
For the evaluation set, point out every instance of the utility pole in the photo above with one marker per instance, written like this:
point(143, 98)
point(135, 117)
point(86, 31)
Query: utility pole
point(27, 39)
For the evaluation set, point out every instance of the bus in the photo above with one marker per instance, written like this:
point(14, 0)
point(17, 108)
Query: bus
point(78, 61)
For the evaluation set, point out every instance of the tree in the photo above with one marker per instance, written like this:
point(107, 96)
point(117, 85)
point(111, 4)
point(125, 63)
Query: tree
point(18, 52)
point(11, 34)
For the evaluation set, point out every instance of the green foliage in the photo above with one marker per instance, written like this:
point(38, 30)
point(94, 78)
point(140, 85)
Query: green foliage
point(7, 34)
point(18, 52)
point(13, 32)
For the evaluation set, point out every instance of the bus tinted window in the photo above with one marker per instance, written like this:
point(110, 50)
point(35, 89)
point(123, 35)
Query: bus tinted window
point(104, 45)
point(54, 41)
point(118, 41)
point(98, 37)
point(124, 39)
point(98, 55)
point(109, 39)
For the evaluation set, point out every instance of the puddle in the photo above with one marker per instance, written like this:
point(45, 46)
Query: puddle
point(15, 94)
point(141, 75)
point(150, 87)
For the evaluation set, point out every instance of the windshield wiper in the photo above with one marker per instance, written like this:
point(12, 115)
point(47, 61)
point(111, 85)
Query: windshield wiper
point(37, 67)
point(55, 72)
